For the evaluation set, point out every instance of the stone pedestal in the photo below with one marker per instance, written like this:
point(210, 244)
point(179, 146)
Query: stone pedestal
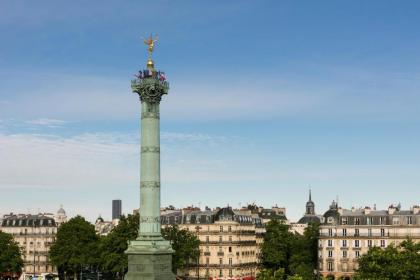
point(149, 260)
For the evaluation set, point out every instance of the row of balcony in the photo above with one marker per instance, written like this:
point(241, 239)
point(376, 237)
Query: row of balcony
point(241, 232)
point(222, 266)
point(242, 242)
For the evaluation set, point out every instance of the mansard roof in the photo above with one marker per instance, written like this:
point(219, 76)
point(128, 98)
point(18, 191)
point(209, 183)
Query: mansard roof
point(208, 217)
point(40, 220)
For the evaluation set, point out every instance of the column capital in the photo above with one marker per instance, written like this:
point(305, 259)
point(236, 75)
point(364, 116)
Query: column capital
point(150, 89)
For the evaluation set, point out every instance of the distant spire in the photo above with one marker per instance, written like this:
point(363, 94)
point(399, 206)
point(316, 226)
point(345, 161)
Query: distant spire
point(310, 195)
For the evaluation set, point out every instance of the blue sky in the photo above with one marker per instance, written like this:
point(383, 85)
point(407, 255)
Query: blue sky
point(267, 100)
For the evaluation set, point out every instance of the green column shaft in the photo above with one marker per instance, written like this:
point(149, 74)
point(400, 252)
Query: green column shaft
point(150, 170)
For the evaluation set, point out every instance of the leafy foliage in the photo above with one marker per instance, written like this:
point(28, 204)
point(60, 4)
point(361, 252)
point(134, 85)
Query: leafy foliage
point(113, 246)
point(295, 254)
point(394, 262)
point(268, 274)
point(185, 244)
point(76, 246)
point(10, 255)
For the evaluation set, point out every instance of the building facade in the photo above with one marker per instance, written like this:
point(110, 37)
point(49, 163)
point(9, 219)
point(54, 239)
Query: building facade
point(345, 235)
point(34, 234)
point(229, 241)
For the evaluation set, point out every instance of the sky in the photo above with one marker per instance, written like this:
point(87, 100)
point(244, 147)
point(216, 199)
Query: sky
point(267, 100)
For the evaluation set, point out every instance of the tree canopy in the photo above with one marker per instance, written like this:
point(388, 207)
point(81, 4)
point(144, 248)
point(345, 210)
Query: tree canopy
point(113, 246)
point(11, 261)
point(76, 246)
point(185, 244)
point(295, 254)
point(394, 262)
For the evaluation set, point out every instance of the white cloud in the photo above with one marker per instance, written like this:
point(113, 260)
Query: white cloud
point(52, 123)
point(95, 159)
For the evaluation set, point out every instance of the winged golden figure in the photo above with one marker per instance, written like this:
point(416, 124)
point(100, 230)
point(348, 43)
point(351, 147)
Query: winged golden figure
point(150, 42)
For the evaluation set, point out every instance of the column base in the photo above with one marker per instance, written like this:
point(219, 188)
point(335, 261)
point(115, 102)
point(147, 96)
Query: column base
point(149, 258)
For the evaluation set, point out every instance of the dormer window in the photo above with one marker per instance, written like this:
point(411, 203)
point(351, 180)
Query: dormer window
point(330, 220)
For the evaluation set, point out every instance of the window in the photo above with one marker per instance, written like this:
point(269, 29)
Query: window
point(344, 232)
point(395, 221)
point(344, 254)
point(369, 243)
point(230, 273)
point(344, 221)
point(220, 273)
point(220, 261)
point(382, 232)
point(330, 253)
point(382, 220)
point(357, 221)
point(230, 238)
point(330, 232)
point(344, 243)
point(221, 228)
point(220, 249)
point(409, 220)
point(330, 220)
point(357, 254)
point(382, 243)
point(330, 266)
point(230, 261)
point(230, 249)
point(357, 243)
point(330, 243)
point(230, 228)
point(220, 238)
point(356, 232)
point(369, 232)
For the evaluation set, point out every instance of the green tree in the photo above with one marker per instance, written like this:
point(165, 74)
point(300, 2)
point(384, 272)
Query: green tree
point(295, 277)
point(394, 262)
point(304, 256)
point(296, 254)
point(268, 274)
point(11, 262)
point(76, 246)
point(276, 248)
point(185, 244)
point(113, 246)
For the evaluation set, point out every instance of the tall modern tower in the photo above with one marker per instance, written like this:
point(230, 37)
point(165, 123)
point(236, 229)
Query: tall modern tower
point(150, 255)
point(116, 209)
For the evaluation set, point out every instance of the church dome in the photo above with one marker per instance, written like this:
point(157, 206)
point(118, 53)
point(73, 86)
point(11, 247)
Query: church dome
point(61, 211)
point(307, 219)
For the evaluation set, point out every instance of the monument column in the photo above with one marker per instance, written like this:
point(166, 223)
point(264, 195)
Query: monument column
point(150, 255)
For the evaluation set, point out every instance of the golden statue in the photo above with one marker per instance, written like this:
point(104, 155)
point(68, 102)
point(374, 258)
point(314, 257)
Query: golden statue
point(151, 43)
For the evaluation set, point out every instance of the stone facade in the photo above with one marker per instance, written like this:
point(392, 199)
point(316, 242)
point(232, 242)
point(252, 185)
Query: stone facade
point(34, 234)
point(345, 235)
point(229, 241)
